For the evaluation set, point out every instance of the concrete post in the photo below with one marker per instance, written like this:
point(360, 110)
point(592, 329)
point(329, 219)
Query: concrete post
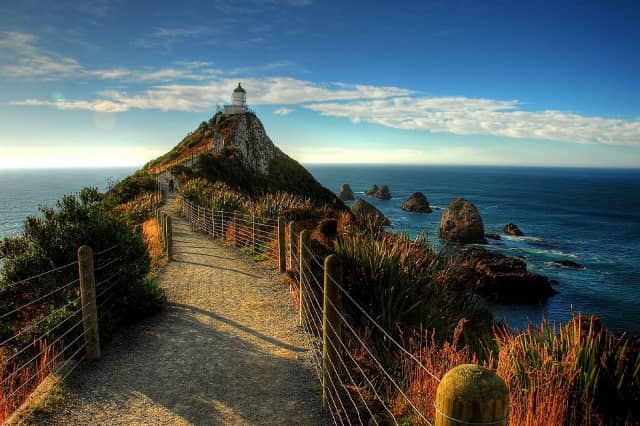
point(470, 394)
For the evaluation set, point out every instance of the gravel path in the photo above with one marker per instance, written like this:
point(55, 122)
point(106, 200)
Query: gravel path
point(225, 351)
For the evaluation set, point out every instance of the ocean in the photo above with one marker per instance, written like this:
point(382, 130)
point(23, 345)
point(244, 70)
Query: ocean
point(591, 216)
point(23, 190)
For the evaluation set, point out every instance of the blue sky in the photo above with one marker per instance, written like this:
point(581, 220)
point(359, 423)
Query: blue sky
point(110, 82)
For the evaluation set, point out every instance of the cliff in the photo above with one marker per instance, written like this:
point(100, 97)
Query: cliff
point(237, 150)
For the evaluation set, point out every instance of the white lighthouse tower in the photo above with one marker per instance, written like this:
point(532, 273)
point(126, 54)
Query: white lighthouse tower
point(238, 102)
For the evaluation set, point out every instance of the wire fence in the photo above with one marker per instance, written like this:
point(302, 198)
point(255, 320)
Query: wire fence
point(359, 385)
point(45, 335)
point(256, 236)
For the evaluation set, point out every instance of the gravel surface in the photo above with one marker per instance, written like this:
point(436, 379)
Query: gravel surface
point(225, 351)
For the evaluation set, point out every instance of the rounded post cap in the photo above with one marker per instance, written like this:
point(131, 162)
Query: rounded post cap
point(473, 382)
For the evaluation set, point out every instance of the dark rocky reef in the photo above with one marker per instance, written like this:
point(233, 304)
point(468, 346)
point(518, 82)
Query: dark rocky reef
point(461, 223)
point(364, 212)
point(416, 203)
point(345, 192)
point(568, 264)
point(492, 235)
point(502, 279)
point(512, 229)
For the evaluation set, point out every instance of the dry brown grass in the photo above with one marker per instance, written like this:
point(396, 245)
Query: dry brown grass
point(18, 381)
point(151, 235)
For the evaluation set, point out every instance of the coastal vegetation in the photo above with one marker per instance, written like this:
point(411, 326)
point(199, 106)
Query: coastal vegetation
point(37, 313)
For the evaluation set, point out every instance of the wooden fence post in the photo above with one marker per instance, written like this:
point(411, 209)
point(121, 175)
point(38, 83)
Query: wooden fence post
point(281, 246)
point(169, 238)
point(331, 325)
point(303, 256)
point(235, 228)
point(88, 301)
point(222, 230)
point(213, 223)
point(292, 243)
point(470, 394)
point(253, 232)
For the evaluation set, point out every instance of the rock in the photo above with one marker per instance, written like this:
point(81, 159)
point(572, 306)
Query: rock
point(372, 190)
point(328, 227)
point(345, 192)
point(383, 193)
point(492, 236)
point(554, 282)
point(417, 203)
point(461, 223)
point(568, 264)
point(364, 211)
point(502, 279)
point(512, 229)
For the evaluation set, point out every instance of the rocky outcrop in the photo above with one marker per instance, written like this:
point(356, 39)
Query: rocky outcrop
point(372, 190)
point(568, 264)
point(383, 193)
point(461, 222)
point(512, 229)
point(364, 212)
point(252, 141)
point(502, 279)
point(416, 203)
point(345, 192)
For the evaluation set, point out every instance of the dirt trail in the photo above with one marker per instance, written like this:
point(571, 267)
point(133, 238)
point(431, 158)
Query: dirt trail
point(225, 351)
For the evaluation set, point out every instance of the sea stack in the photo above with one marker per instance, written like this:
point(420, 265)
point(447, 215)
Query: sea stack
point(461, 223)
point(383, 193)
point(346, 193)
point(364, 211)
point(416, 203)
point(372, 190)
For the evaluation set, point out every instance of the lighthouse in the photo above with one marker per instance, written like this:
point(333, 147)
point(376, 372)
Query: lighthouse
point(238, 102)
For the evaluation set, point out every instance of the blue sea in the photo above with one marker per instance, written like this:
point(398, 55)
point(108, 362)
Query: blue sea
point(23, 190)
point(591, 216)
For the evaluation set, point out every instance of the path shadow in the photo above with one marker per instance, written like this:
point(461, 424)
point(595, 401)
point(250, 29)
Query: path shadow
point(219, 268)
point(193, 310)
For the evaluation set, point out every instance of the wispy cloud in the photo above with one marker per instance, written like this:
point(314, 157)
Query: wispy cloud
point(283, 111)
point(166, 38)
point(468, 116)
point(198, 86)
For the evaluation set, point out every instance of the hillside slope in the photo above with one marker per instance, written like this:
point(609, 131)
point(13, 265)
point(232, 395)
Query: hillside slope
point(237, 150)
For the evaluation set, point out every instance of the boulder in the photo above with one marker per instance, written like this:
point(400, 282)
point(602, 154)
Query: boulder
point(568, 264)
point(502, 279)
point(512, 229)
point(364, 211)
point(461, 223)
point(345, 192)
point(328, 227)
point(373, 190)
point(417, 203)
point(492, 236)
point(383, 193)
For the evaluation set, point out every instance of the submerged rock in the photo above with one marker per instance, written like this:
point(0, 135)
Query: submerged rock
point(502, 279)
point(417, 203)
point(364, 211)
point(512, 229)
point(568, 264)
point(461, 223)
point(492, 236)
point(372, 190)
point(345, 192)
point(383, 193)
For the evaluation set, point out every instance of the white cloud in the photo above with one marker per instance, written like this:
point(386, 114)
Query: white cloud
point(468, 116)
point(388, 106)
point(283, 111)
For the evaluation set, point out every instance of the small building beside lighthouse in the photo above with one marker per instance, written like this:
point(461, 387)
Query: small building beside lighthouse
point(238, 102)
